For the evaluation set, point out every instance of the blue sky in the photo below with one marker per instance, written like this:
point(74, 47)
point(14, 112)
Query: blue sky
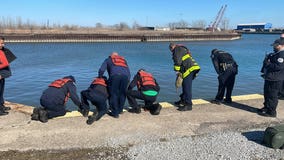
point(144, 12)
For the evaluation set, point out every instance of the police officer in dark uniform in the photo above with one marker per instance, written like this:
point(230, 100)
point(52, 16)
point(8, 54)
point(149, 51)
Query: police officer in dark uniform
point(273, 74)
point(226, 68)
point(187, 66)
point(147, 90)
point(54, 98)
point(119, 76)
point(96, 93)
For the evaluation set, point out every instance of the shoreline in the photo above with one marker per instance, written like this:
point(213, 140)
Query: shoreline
point(150, 36)
point(143, 136)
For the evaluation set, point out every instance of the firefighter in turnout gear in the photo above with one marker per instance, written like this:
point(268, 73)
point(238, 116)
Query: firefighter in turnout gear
point(227, 69)
point(147, 90)
point(184, 64)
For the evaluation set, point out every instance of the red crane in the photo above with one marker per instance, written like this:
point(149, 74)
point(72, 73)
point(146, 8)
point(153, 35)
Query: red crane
point(218, 19)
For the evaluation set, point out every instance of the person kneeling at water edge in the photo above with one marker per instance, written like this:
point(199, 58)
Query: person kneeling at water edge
point(54, 98)
point(148, 90)
point(96, 93)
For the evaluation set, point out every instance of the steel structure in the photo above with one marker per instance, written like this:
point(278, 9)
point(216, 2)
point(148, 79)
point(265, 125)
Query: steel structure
point(218, 19)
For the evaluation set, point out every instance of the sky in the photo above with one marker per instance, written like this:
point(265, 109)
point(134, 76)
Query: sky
point(156, 13)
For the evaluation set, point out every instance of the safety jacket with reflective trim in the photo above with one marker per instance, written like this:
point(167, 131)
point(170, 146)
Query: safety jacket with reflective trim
point(99, 81)
point(59, 83)
point(146, 79)
point(183, 61)
point(118, 60)
point(3, 60)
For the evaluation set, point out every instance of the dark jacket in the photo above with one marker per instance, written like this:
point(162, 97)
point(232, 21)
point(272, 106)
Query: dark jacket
point(95, 89)
point(183, 61)
point(273, 66)
point(223, 61)
point(56, 96)
point(113, 69)
point(6, 72)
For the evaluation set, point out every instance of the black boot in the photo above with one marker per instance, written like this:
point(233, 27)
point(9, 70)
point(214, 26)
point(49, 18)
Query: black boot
point(43, 117)
point(155, 109)
point(92, 118)
point(35, 114)
point(186, 107)
point(135, 110)
point(6, 108)
point(3, 112)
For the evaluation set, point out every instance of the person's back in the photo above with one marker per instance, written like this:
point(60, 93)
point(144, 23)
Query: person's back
point(119, 75)
point(226, 68)
point(54, 98)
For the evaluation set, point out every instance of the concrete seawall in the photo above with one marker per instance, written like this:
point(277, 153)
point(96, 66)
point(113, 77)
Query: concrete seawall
point(120, 37)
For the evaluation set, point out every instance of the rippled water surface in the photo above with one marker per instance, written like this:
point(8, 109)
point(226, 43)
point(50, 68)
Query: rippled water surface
point(40, 63)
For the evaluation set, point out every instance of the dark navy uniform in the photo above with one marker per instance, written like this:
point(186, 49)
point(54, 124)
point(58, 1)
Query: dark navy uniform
point(187, 66)
point(54, 98)
point(119, 76)
point(96, 93)
point(226, 68)
point(147, 90)
point(273, 74)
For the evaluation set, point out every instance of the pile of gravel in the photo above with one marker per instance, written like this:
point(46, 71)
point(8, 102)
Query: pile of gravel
point(221, 145)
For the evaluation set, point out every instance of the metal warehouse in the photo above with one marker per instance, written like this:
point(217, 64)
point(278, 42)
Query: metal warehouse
point(255, 26)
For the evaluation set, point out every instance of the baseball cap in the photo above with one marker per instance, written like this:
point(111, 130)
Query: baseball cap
point(278, 42)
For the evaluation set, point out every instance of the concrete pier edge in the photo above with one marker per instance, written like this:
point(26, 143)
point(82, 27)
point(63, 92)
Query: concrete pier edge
point(29, 109)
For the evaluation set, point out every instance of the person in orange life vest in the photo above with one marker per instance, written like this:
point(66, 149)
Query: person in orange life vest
point(147, 90)
point(184, 64)
point(54, 98)
point(6, 57)
point(119, 76)
point(96, 93)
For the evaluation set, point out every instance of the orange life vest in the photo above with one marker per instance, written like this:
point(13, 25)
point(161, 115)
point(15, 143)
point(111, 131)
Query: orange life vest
point(99, 81)
point(118, 60)
point(60, 83)
point(146, 79)
point(3, 60)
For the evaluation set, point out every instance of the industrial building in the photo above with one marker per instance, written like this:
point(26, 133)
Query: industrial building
point(254, 27)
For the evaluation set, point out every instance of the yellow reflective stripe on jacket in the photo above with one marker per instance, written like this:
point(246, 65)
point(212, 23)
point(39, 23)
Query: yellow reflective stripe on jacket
point(176, 68)
point(189, 70)
point(185, 57)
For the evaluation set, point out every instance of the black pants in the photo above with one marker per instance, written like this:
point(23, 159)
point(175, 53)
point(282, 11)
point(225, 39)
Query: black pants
point(281, 92)
point(132, 95)
point(226, 82)
point(271, 90)
point(53, 110)
point(98, 100)
point(2, 86)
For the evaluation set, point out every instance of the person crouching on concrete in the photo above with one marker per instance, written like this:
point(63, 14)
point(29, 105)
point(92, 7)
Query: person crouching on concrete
point(148, 90)
point(97, 93)
point(54, 98)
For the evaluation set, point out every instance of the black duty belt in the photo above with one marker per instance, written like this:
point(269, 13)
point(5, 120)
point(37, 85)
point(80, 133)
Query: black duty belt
point(225, 66)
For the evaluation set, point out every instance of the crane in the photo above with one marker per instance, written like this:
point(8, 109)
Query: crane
point(218, 19)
